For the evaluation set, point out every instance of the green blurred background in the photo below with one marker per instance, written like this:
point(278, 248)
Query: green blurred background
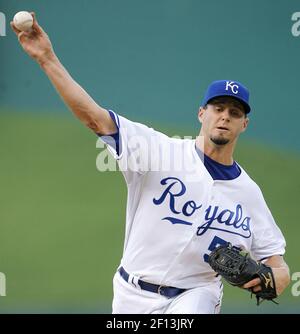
point(62, 221)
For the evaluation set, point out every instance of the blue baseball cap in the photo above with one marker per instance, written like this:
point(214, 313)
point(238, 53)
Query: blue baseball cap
point(228, 88)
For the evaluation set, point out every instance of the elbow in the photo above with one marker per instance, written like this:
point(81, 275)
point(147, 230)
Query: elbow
point(286, 280)
point(93, 125)
point(283, 280)
point(287, 276)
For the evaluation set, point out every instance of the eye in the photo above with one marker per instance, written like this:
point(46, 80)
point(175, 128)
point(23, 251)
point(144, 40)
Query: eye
point(236, 113)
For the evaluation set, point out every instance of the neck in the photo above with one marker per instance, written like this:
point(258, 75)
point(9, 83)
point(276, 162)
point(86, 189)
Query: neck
point(220, 153)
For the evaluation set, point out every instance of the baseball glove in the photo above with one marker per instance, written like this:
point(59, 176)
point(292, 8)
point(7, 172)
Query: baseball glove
point(238, 268)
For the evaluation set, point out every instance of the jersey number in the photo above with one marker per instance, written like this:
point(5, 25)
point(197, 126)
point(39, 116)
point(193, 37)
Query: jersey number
point(216, 241)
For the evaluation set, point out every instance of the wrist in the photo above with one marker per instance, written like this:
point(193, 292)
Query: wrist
point(47, 59)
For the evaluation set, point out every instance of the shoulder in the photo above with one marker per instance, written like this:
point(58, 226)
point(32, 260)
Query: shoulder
point(126, 125)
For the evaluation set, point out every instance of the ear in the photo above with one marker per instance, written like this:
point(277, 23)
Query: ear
point(245, 124)
point(200, 114)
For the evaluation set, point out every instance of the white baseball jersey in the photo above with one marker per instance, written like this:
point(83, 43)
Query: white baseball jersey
point(177, 213)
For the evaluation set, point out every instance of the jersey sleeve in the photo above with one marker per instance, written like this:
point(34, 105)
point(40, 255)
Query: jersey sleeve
point(135, 146)
point(268, 239)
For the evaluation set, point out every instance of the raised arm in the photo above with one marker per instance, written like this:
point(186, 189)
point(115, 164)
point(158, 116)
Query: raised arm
point(37, 45)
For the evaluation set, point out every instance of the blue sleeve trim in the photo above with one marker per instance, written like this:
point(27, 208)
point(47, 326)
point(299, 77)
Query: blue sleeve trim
point(115, 118)
point(113, 140)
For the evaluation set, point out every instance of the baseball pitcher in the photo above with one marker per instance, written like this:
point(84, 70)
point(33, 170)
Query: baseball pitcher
point(193, 213)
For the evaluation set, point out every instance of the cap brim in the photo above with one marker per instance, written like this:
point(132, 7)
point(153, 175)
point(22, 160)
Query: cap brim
point(245, 105)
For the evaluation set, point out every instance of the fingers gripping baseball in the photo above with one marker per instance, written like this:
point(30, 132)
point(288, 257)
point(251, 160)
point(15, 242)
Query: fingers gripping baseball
point(35, 41)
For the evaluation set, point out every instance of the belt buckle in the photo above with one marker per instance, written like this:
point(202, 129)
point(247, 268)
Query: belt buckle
point(159, 290)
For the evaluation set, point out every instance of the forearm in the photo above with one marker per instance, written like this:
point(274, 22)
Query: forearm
point(76, 98)
point(37, 45)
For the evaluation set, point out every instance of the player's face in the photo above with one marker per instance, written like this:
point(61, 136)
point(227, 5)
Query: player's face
point(223, 119)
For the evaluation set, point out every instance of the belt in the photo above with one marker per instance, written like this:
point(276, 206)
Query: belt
point(167, 291)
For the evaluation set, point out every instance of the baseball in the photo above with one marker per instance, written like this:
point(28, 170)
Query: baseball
point(23, 21)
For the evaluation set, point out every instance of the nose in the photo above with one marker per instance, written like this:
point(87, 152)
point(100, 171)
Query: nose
point(226, 114)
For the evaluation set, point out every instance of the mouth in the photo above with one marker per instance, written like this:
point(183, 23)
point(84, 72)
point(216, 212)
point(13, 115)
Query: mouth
point(222, 128)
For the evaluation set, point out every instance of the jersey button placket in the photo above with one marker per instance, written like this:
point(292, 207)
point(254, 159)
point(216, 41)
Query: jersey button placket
point(212, 194)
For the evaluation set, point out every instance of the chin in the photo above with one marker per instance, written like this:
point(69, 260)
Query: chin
point(219, 140)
